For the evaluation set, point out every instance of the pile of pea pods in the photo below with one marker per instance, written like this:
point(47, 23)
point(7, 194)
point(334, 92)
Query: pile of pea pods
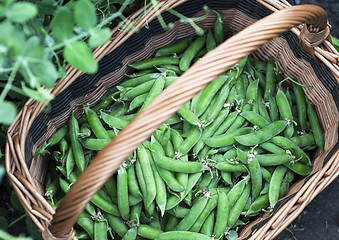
point(227, 155)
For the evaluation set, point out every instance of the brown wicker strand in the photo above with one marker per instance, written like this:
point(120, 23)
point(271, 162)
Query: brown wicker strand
point(192, 81)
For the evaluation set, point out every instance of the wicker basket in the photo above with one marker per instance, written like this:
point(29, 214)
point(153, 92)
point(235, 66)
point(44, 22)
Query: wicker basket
point(33, 125)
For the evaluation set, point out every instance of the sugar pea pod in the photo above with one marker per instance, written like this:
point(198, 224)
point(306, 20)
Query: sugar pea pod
point(238, 122)
point(131, 234)
point(133, 185)
point(273, 109)
point(229, 167)
point(208, 94)
point(179, 212)
point(315, 126)
point(275, 184)
point(191, 52)
point(188, 221)
point(148, 231)
point(150, 63)
point(176, 165)
point(222, 215)
point(274, 159)
point(138, 90)
point(238, 207)
point(87, 224)
point(210, 41)
point(258, 205)
point(207, 227)
point(139, 80)
point(190, 141)
point(188, 115)
point(117, 224)
point(285, 112)
point(181, 235)
point(171, 223)
point(252, 92)
point(226, 123)
point(94, 143)
point(60, 134)
point(227, 138)
point(255, 118)
point(262, 135)
point(239, 85)
point(262, 107)
point(304, 140)
point(111, 187)
point(137, 101)
point(211, 204)
point(100, 229)
point(192, 181)
point(70, 162)
point(85, 130)
point(112, 121)
point(287, 144)
point(156, 89)
point(256, 176)
point(219, 29)
point(122, 193)
point(270, 79)
point(148, 175)
point(301, 106)
point(95, 123)
point(236, 191)
point(75, 144)
point(175, 48)
point(299, 168)
point(160, 197)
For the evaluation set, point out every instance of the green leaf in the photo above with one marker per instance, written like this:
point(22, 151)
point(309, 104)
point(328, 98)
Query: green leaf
point(21, 12)
point(40, 95)
point(98, 38)
point(3, 223)
point(63, 23)
point(8, 112)
point(335, 42)
point(15, 202)
point(81, 57)
point(84, 14)
point(45, 72)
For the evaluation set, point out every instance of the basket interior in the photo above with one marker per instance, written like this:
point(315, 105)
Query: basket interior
point(89, 89)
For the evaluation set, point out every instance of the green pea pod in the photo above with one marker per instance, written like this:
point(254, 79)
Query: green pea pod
point(210, 41)
point(238, 207)
point(190, 141)
point(274, 159)
point(60, 134)
point(219, 29)
point(222, 215)
point(176, 165)
point(304, 140)
point(315, 126)
point(192, 181)
point(87, 224)
point(208, 94)
point(191, 52)
point(227, 138)
point(133, 185)
point(270, 79)
point(95, 123)
point(262, 135)
point(122, 193)
point(111, 187)
point(175, 48)
point(255, 118)
point(287, 144)
point(144, 160)
point(256, 176)
point(277, 178)
point(131, 234)
point(211, 204)
point(138, 101)
point(100, 230)
point(148, 231)
point(226, 123)
point(188, 221)
point(94, 143)
point(258, 205)
point(113, 122)
point(156, 89)
point(139, 80)
point(299, 168)
point(150, 63)
point(273, 109)
point(181, 235)
point(238, 122)
point(76, 145)
point(138, 90)
point(207, 227)
point(285, 112)
point(117, 224)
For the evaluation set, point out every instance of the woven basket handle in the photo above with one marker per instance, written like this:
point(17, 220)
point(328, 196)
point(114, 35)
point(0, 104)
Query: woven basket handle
point(166, 104)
